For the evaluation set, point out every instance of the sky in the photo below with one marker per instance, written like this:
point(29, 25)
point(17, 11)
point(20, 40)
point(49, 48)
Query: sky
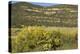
point(44, 4)
point(41, 4)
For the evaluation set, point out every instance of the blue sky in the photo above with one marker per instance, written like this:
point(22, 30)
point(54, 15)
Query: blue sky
point(44, 4)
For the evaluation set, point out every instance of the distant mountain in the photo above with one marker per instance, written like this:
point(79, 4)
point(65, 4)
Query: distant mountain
point(65, 6)
point(25, 4)
point(28, 14)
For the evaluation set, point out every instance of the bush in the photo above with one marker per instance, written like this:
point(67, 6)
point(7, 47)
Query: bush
point(36, 39)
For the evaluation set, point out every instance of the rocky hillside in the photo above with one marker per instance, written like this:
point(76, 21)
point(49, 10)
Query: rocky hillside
point(28, 14)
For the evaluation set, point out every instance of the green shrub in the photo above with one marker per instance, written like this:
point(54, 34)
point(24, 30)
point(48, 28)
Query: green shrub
point(36, 39)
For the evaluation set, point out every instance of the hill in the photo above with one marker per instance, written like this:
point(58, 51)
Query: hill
point(28, 14)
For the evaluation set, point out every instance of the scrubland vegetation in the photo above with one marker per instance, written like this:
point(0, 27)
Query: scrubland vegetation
point(43, 38)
